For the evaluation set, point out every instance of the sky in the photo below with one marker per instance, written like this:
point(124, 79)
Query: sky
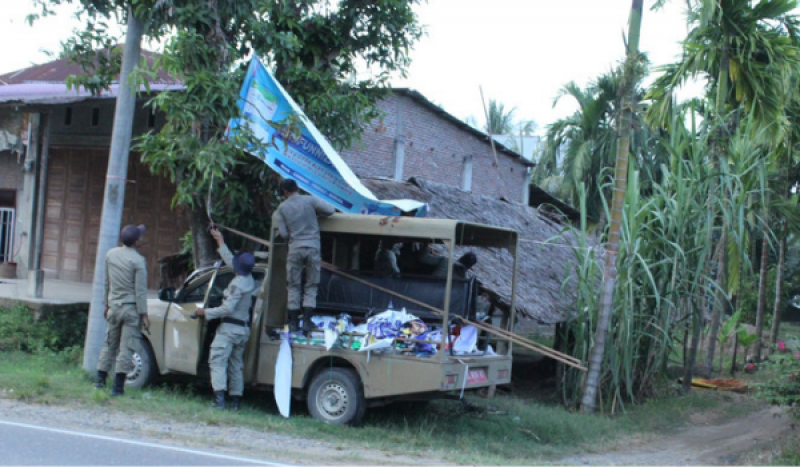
point(520, 52)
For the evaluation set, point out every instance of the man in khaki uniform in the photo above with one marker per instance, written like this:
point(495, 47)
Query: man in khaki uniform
point(125, 299)
point(297, 223)
point(226, 358)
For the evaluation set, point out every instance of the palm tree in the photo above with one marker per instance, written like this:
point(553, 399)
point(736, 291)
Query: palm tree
point(745, 52)
point(632, 74)
point(581, 148)
point(784, 161)
point(578, 148)
point(498, 120)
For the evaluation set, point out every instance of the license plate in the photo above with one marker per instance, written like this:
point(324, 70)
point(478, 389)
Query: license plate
point(477, 376)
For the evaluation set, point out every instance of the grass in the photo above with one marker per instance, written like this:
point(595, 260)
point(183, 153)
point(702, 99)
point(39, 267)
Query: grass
point(504, 430)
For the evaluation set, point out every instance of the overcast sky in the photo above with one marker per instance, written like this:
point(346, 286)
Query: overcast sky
point(520, 51)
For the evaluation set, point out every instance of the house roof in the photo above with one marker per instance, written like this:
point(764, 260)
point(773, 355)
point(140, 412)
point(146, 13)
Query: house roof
point(546, 202)
point(55, 93)
point(57, 71)
point(419, 98)
point(543, 293)
point(45, 84)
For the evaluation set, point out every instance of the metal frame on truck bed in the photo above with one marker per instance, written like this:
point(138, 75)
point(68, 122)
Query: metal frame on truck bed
point(339, 384)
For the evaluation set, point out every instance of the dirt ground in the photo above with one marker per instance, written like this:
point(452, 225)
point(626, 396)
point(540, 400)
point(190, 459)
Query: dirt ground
point(710, 440)
point(753, 439)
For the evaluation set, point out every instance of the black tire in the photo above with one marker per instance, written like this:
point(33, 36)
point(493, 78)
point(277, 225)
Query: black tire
point(144, 369)
point(337, 397)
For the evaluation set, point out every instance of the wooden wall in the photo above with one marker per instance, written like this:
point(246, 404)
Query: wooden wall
point(75, 186)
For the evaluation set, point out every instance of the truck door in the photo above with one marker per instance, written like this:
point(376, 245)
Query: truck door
point(184, 348)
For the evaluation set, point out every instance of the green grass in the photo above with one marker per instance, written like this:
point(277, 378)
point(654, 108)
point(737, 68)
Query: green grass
point(504, 430)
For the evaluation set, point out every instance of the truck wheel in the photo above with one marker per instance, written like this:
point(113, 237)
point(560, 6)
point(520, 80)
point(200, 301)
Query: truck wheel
point(336, 396)
point(144, 366)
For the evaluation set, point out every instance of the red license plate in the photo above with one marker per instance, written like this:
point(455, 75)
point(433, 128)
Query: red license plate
point(477, 376)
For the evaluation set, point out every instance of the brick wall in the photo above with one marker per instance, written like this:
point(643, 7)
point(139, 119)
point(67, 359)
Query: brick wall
point(435, 149)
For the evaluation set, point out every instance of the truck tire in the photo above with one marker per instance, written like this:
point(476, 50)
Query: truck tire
point(144, 369)
point(336, 396)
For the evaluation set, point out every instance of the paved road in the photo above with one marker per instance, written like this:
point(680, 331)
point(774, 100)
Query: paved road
point(23, 444)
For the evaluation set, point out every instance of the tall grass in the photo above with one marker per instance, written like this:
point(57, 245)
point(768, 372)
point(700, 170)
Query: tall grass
point(665, 284)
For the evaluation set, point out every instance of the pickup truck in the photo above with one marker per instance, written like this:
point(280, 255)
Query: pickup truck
point(339, 384)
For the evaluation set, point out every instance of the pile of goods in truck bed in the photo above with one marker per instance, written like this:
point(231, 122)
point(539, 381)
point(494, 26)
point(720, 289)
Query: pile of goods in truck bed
point(391, 331)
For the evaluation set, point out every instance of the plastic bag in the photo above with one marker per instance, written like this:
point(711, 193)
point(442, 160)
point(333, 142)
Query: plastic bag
point(467, 341)
point(388, 323)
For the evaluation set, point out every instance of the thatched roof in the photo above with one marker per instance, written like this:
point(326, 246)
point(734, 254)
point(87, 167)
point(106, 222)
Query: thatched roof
point(543, 266)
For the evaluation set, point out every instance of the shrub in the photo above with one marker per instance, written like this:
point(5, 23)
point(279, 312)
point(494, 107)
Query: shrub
point(784, 388)
point(56, 328)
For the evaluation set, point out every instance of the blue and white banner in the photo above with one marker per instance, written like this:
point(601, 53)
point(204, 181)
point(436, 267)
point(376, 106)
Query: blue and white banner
point(309, 159)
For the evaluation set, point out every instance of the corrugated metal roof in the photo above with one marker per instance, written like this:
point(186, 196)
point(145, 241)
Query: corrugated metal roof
point(57, 71)
point(57, 93)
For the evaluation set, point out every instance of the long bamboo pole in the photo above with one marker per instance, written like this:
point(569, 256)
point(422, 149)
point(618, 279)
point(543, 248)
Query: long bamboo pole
point(536, 347)
point(546, 351)
point(542, 348)
point(519, 340)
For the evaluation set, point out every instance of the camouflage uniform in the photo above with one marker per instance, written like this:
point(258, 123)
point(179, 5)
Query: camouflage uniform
point(226, 358)
point(126, 298)
point(297, 222)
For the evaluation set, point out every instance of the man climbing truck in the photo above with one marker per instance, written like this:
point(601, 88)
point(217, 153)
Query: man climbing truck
point(408, 336)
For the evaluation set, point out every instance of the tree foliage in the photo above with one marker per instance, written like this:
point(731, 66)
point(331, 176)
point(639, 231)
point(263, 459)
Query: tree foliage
point(315, 47)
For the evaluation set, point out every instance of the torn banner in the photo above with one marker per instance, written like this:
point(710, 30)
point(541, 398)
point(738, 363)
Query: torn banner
point(309, 159)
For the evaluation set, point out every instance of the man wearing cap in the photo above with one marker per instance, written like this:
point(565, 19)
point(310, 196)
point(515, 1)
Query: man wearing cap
point(297, 223)
point(125, 299)
point(226, 358)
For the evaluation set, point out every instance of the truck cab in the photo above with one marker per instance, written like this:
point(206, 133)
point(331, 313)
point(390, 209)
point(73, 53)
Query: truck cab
point(338, 385)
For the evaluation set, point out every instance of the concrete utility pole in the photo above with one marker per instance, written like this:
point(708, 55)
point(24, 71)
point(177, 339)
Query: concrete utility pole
point(113, 201)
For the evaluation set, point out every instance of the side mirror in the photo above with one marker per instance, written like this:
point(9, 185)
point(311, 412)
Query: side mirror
point(167, 295)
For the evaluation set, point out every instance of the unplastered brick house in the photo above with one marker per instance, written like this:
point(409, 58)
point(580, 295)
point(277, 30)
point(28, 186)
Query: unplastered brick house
point(416, 138)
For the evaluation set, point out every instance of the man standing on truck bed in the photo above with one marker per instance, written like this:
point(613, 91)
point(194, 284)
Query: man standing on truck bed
point(125, 298)
point(297, 224)
point(226, 359)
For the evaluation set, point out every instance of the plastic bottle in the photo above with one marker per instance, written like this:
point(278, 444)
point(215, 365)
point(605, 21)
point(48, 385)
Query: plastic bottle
point(390, 304)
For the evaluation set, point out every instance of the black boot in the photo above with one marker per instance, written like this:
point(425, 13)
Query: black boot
point(118, 389)
point(100, 382)
point(294, 320)
point(308, 325)
point(219, 400)
point(235, 400)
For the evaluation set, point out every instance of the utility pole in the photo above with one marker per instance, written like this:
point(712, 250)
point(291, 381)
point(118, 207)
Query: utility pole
point(114, 198)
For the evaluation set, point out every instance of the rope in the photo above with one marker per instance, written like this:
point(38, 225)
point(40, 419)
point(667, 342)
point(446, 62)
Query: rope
point(466, 374)
point(590, 248)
